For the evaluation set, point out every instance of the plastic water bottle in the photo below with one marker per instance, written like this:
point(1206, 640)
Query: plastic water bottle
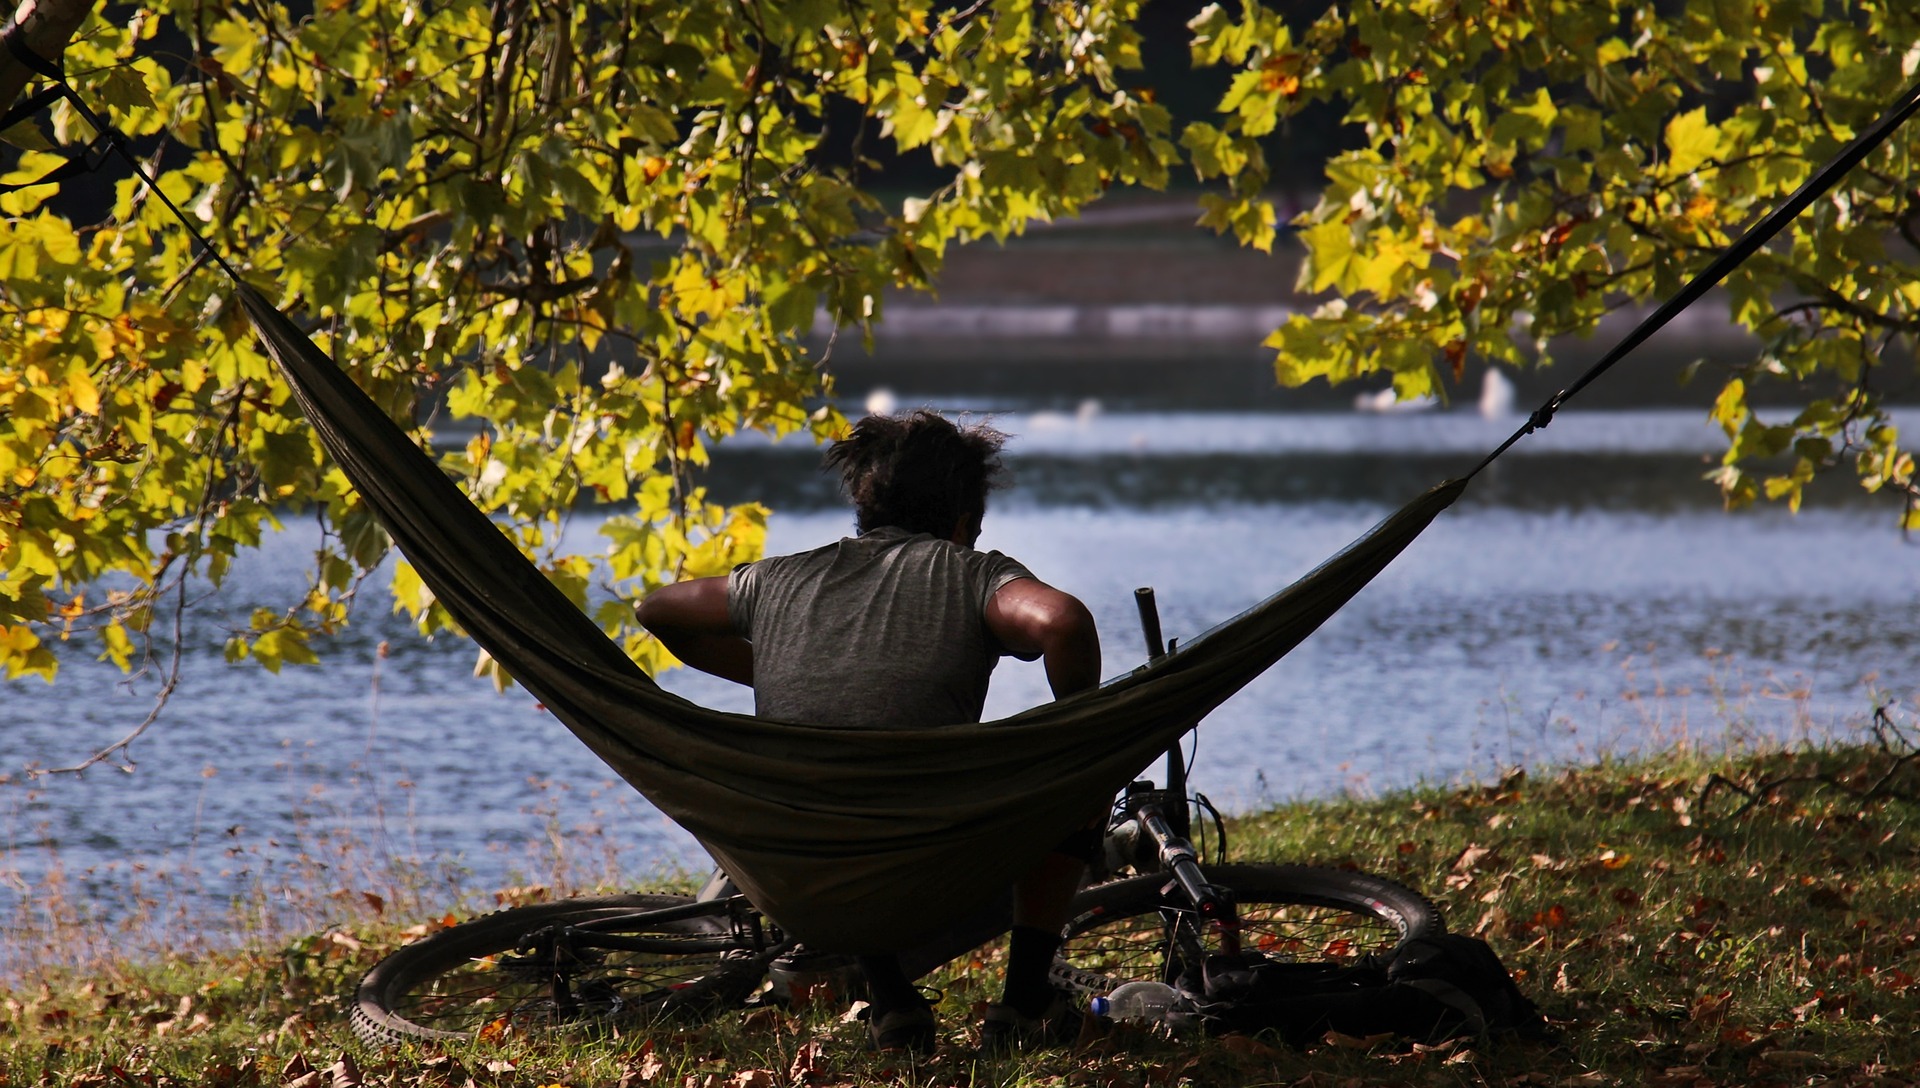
point(1145, 1002)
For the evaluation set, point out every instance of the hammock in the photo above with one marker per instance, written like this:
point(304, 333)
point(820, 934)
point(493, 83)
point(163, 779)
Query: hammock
point(854, 840)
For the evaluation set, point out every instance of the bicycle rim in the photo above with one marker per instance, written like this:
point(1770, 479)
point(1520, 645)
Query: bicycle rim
point(498, 975)
point(1125, 930)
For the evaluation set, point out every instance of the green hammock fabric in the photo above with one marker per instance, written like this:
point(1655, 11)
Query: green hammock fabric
point(852, 840)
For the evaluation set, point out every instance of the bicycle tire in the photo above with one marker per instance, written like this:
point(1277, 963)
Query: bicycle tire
point(472, 978)
point(1119, 931)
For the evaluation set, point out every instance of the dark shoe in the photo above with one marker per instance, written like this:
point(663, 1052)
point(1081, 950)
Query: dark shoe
point(1005, 1029)
point(909, 1029)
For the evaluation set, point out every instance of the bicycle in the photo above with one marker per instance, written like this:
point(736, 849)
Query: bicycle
point(597, 963)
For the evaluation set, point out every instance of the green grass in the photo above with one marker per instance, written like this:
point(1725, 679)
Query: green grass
point(1675, 931)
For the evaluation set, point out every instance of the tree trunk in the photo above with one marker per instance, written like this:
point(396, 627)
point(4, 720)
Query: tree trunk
point(45, 27)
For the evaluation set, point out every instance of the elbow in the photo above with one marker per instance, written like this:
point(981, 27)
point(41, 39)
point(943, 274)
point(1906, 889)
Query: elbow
point(660, 615)
point(648, 613)
point(1072, 650)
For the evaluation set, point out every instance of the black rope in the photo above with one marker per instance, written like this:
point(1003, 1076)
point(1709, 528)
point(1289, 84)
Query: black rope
point(1730, 258)
point(15, 36)
point(31, 105)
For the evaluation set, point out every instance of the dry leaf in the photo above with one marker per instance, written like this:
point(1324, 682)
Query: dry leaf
point(1247, 1046)
point(1470, 858)
point(646, 1072)
point(805, 1065)
point(1355, 1042)
point(765, 1018)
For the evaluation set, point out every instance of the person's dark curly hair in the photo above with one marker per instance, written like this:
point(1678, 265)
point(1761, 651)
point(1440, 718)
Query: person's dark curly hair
point(919, 472)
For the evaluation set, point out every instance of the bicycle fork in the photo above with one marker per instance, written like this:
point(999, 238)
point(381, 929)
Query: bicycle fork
point(1194, 905)
point(1162, 816)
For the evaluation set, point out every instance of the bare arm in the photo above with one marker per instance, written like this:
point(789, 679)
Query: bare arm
point(690, 619)
point(1030, 617)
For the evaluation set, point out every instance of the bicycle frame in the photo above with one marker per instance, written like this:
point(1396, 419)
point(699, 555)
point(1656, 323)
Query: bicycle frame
point(1162, 814)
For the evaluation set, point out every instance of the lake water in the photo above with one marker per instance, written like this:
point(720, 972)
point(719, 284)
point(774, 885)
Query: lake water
point(1588, 595)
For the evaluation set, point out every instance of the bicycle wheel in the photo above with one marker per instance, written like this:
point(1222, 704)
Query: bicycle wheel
point(1127, 930)
point(522, 970)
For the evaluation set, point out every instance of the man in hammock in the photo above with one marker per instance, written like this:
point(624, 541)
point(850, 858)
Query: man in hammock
point(901, 626)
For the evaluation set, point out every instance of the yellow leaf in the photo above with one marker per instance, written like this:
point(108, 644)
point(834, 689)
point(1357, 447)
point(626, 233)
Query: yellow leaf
point(82, 392)
point(119, 646)
point(1691, 141)
point(21, 654)
point(1730, 407)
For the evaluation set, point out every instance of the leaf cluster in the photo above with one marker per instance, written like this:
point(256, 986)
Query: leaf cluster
point(567, 248)
point(1531, 166)
point(571, 248)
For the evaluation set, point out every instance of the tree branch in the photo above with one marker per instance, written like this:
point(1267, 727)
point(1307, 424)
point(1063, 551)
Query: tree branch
point(44, 27)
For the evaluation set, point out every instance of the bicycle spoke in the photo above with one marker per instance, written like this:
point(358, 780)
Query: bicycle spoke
point(1129, 931)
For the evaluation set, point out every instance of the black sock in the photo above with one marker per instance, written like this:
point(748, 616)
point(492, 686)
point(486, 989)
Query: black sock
point(888, 987)
point(1029, 957)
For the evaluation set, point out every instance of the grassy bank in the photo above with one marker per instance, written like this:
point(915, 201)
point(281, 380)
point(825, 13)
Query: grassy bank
point(1693, 920)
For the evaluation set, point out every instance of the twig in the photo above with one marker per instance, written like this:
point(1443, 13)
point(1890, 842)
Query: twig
point(122, 746)
point(1887, 734)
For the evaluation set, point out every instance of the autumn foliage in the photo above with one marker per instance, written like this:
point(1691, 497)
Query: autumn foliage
point(572, 247)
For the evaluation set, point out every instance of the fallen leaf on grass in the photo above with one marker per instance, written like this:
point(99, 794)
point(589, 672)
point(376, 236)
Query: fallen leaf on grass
point(763, 1019)
point(1470, 858)
point(646, 1072)
point(1711, 1009)
point(1248, 1047)
point(753, 1078)
point(1354, 1042)
point(806, 1065)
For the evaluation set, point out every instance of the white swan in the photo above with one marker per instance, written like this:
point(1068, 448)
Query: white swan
point(1386, 400)
point(1496, 394)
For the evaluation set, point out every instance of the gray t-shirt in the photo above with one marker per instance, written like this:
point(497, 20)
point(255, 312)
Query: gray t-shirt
point(885, 630)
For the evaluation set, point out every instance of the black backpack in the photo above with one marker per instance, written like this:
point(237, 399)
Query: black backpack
point(1429, 990)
